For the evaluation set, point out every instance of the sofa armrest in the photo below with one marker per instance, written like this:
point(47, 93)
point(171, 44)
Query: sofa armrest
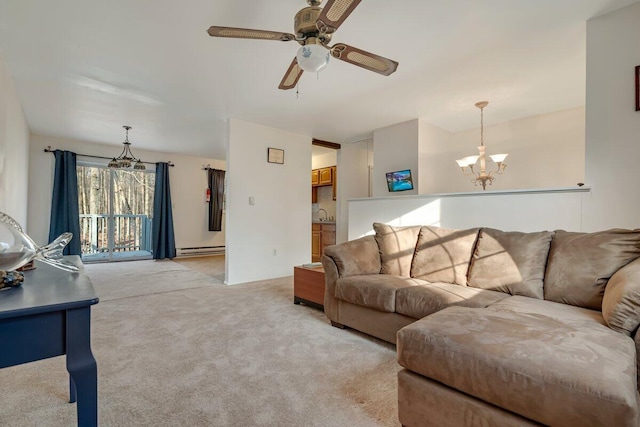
point(330, 278)
point(357, 257)
point(352, 258)
point(621, 300)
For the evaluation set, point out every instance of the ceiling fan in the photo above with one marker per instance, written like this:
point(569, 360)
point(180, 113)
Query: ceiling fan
point(314, 27)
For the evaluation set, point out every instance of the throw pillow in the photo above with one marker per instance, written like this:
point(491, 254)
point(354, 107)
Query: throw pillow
point(443, 255)
point(580, 264)
point(510, 262)
point(396, 245)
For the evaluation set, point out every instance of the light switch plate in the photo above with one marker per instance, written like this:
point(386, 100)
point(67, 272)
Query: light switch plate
point(252, 200)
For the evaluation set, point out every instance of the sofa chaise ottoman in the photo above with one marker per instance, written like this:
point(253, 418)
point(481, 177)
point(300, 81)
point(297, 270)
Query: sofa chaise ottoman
point(498, 328)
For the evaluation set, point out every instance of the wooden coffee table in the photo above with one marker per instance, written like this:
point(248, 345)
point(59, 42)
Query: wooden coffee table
point(308, 286)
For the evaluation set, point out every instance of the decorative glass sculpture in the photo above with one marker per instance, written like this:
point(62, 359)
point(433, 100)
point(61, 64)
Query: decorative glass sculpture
point(17, 249)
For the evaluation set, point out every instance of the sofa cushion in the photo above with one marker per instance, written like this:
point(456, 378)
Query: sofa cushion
point(396, 245)
point(569, 314)
point(510, 262)
point(421, 301)
point(376, 291)
point(443, 255)
point(577, 373)
point(621, 300)
point(580, 264)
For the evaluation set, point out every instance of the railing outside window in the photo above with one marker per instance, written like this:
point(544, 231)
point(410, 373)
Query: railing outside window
point(130, 233)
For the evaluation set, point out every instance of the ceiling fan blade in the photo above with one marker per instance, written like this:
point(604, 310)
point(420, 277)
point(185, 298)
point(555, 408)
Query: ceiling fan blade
point(334, 13)
point(361, 58)
point(246, 33)
point(291, 77)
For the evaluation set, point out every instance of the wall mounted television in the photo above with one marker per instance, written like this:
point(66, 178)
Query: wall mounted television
point(400, 180)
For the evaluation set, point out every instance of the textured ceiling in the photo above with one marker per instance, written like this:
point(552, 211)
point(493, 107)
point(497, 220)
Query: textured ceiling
point(84, 68)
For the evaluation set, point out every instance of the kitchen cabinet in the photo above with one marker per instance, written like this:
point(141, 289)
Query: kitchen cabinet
point(322, 235)
point(328, 235)
point(321, 177)
point(316, 249)
point(326, 176)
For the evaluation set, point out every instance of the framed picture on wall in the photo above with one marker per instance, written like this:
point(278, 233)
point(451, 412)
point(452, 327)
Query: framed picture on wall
point(638, 88)
point(275, 155)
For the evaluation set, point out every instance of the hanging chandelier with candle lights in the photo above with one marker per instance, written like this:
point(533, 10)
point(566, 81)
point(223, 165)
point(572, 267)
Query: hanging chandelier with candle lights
point(126, 158)
point(482, 177)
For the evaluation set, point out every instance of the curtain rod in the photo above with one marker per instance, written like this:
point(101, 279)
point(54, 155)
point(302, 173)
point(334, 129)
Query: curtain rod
point(49, 150)
point(208, 167)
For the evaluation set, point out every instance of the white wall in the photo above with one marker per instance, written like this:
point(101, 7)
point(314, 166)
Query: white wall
point(395, 148)
point(545, 151)
point(188, 185)
point(324, 160)
point(326, 202)
point(518, 210)
point(613, 125)
point(353, 181)
point(433, 143)
point(280, 218)
point(14, 151)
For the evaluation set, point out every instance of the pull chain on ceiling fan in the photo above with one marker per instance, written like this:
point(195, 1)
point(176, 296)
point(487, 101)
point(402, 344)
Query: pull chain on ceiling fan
point(314, 26)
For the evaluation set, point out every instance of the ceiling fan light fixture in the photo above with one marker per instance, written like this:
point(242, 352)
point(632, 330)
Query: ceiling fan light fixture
point(314, 27)
point(313, 58)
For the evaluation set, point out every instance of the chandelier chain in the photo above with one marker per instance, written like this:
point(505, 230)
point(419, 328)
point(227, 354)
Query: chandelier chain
point(482, 126)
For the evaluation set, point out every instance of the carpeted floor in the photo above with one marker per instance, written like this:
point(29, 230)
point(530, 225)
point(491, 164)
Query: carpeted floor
point(175, 347)
point(212, 265)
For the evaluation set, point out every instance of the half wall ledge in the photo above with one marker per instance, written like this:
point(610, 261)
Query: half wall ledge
point(582, 189)
point(510, 210)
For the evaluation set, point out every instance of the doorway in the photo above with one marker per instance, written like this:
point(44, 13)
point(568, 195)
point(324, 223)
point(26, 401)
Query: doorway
point(324, 196)
point(116, 213)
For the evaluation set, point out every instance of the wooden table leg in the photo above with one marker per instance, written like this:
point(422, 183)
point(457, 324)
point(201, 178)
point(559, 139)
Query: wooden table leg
point(82, 366)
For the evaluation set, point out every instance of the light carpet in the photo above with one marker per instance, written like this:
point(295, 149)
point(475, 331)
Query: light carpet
point(118, 280)
point(176, 348)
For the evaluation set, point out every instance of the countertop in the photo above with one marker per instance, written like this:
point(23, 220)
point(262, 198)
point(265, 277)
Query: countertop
point(323, 222)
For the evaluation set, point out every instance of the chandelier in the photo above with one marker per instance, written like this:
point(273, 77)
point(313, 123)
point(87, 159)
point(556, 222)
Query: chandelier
point(126, 158)
point(466, 163)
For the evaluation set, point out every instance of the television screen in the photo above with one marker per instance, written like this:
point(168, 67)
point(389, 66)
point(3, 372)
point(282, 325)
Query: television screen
point(400, 180)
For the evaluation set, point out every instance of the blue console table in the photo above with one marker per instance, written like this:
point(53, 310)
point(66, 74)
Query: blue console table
point(48, 316)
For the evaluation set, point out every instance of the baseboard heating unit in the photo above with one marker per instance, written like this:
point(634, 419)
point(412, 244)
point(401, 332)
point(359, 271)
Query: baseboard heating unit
point(201, 250)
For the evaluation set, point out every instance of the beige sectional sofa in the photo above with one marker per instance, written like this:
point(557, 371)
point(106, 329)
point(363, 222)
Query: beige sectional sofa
point(498, 328)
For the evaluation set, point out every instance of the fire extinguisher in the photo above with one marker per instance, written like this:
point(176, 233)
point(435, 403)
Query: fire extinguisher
point(207, 198)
